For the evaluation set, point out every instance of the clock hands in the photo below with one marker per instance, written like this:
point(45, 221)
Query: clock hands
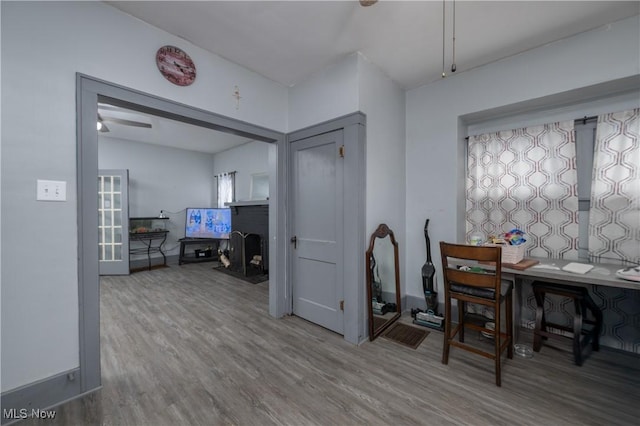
point(183, 70)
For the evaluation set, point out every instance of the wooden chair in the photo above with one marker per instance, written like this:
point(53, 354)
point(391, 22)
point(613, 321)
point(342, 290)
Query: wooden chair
point(580, 335)
point(480, 286)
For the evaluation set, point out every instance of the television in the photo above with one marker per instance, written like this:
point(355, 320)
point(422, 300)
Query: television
point(208, 223)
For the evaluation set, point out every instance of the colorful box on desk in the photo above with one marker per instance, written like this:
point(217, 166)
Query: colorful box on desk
point(512, 254)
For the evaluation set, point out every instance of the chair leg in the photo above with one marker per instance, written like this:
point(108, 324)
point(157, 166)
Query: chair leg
point(462, 307)
point(509, 322)
point(577, 333)
point(597, 328)
point(447, 329)
point(537, 338)
point(496, 342)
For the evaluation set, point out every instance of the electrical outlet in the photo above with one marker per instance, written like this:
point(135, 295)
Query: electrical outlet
point(51, 190)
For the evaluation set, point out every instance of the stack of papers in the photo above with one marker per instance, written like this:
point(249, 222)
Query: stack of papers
point(578, 268)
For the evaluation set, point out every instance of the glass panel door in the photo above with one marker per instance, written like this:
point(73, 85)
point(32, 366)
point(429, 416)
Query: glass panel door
point(113, 222)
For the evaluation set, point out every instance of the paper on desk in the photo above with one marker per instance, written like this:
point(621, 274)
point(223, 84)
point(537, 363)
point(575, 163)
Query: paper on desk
point(578, 268)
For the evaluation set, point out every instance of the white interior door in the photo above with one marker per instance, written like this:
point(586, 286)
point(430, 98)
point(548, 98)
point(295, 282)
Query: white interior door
point(317, 229)
point(113, 222)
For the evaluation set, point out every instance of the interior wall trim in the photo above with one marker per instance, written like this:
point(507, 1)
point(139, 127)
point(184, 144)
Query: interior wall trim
point(43, 395)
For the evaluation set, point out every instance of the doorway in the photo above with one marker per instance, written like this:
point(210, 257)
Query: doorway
point(91, 92)
point(317, 261)
point(337, 150)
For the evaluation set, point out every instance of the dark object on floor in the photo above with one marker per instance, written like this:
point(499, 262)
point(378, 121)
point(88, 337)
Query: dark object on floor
point(582, 302)
point(406, 335)
point(427, 319)
point(253, 279)
point(486, 288)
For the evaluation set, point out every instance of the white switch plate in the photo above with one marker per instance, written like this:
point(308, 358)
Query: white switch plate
point(51, 190)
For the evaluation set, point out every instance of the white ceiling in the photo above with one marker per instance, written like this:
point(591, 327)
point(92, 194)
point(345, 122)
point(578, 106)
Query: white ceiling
point(287, 41)
point(165, 132)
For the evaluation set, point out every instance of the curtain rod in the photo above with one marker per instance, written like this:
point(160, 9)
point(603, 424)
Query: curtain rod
point(227, 173)
point(583, 120)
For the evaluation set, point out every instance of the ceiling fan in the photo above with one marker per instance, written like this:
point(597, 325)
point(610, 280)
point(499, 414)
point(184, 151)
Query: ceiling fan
point(366, 3)
point(117, 120)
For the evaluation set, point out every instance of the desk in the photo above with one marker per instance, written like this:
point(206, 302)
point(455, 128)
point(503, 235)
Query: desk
point(603, 274)
point(613, 295)
point(152, 241)
point(617, 297)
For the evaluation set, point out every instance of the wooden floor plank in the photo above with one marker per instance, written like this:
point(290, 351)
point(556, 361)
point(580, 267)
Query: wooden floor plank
point(187, 345)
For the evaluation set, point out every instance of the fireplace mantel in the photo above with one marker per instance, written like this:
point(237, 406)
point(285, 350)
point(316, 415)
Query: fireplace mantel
point(248, 203)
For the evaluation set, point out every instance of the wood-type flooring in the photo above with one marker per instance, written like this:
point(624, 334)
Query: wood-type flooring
point(187, 345)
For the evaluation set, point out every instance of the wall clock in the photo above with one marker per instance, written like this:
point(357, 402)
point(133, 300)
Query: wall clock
point(175, 65)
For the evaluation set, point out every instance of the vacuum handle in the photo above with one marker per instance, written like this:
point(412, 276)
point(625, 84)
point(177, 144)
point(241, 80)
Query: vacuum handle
point(428, 241)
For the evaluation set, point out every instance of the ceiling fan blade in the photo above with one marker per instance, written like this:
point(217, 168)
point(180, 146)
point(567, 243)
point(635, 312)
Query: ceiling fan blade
point(108, 107)
point(101, 126)
point(127, 122)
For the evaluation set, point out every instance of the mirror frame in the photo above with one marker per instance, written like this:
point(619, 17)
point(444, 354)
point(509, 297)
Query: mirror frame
point(382, 232)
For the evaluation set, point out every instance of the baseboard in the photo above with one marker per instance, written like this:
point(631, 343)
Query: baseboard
point(415, 302)
point(36, 399)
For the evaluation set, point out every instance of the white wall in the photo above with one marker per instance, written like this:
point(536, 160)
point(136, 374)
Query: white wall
point(355, 84)
point(246, 160)
point(329, 93)
point(383, 101)
point(435, 130)
point(44, 44)
point(161, 178)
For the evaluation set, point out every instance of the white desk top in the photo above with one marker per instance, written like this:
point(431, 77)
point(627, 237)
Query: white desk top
point(602, 274)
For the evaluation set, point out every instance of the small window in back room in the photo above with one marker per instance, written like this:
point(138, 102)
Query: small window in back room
point(226, 187)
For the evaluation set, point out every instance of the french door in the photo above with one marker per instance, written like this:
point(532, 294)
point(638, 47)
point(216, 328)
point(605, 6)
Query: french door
point(113, 222)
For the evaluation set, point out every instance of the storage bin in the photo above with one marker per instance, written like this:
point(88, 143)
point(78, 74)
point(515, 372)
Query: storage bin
point(512, 254)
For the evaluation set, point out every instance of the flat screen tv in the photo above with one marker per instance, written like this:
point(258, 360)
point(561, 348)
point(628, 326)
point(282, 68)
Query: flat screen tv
point(208, 223)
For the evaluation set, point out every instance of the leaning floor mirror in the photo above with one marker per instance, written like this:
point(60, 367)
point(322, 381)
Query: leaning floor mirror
point(383, 280)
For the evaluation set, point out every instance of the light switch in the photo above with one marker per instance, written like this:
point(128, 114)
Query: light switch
point(51, 190)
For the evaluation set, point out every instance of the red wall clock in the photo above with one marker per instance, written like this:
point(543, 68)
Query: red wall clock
point(175, 65)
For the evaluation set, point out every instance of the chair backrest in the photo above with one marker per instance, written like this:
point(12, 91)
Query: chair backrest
point(488, 277)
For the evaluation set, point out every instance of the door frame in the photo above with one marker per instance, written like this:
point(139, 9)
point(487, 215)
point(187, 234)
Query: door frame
point(90, 91)
point(354, 138)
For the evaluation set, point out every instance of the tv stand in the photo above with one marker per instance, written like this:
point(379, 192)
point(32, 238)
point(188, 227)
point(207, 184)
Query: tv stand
point(192, 256)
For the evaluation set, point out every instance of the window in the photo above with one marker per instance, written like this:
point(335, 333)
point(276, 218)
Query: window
point(525, 178)
point(614, 216)
point(226, 188)
point(573, 187)
point(585, 142)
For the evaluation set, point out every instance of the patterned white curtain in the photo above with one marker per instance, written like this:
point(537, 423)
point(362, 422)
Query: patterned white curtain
point(226, 188)
point(526, 179)
point(614, 217)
